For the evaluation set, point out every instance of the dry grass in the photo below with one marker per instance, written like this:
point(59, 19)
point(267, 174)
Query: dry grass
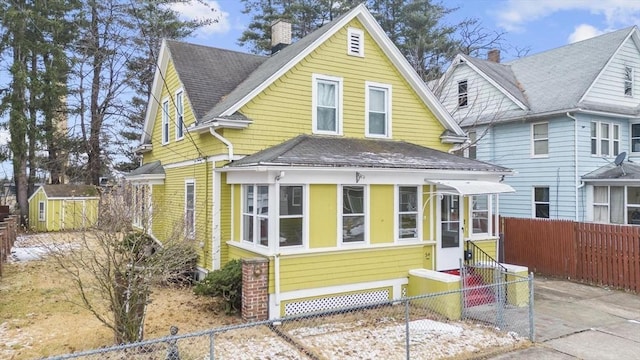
point(38, 318)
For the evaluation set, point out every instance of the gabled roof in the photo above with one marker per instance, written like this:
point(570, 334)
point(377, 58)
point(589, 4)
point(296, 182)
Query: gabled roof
point(334, 152)
point(256, 73)
point(70, 190)
point(554, 80)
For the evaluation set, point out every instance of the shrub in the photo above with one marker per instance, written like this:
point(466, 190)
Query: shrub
point(226, 283)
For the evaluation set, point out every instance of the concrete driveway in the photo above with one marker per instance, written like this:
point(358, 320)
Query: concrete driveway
point(575, 321)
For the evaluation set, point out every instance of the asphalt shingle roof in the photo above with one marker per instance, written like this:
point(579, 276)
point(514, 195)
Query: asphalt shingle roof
point(70, 190)
point(152, 168)
point(626, 171)
point(325, 151)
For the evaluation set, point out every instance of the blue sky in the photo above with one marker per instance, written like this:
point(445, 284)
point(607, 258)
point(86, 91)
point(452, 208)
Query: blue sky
point(535, 24)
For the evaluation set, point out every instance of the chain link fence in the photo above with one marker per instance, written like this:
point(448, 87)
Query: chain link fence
point(431, 326)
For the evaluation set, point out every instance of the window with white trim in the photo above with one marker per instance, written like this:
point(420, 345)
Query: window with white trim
point(463, 93)
point(141, 204)
point(408, 212)
point(355, 42)
point(605, 139)
point(378, 114)
point(190, 209)
point(353, 214)
point(540, 139)
point(41, 211)
point(291, 215)
point(633, 205)
point(541, 205)
point(480, 215)
point(628, 81)
point(327, 105)
point(608, 204)
point(165, 122)
point(635, 137)
point(255, 214)
point(179, 116)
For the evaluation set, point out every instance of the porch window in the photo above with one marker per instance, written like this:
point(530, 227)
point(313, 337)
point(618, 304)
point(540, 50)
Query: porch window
point(327, 100)
point(540, 139)
point(41, 212)
point(190, 209)
point(633, 205)
point(378, 117)
point(541, 202)
point(255, 214)
point(635, 138)
point(179, 117)
point(408, 212)
point(353, 214)
point(165, 122)
point(291, 215)
point(608, 204)
point(480, 214)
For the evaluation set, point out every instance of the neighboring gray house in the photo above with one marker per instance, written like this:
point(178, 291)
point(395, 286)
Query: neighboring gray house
point(560, 119)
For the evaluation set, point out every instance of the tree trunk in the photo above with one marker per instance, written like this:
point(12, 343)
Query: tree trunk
point(94, 149)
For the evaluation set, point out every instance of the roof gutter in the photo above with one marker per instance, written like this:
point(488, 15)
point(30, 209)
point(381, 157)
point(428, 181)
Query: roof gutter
point(576, 185)
point(228, 143)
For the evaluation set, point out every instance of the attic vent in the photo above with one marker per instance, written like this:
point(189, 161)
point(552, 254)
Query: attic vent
point(355, 42)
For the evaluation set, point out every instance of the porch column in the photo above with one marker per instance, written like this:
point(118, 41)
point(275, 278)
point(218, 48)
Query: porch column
point(255, 289)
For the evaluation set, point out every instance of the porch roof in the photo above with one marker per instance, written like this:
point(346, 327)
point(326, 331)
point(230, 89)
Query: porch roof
point(474, 187)
point(626, 171)
point(335, 152)
point(153, 171)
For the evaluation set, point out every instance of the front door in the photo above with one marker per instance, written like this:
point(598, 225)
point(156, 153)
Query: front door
point(449, 249)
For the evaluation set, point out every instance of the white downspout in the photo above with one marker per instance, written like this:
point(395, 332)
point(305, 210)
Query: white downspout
point(224, 141)
point(496, 229)
point(575, 154)
point(276, 270)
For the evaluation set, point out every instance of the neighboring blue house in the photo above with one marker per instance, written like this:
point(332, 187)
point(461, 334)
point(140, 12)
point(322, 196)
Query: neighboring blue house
point(559, 118)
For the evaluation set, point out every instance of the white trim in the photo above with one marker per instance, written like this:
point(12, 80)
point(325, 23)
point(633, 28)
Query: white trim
point(189, 235)
point(386, 88)
point(533, 200)
point(179, 91)
point(351, 32)
point(533, 140)
point(379, 36)
point(604, 68)
point(156, 92)
point(315, 79)
point(481, 236)
point(35, 192)
point(396, 284)
point(42, 215)
point(366, 213)
point(216, 209)
point(396, 213)
point(164, 115)
point(473, 187)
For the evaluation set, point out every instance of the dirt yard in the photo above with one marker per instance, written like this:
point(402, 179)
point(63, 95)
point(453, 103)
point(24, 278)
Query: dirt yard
point(38, 318)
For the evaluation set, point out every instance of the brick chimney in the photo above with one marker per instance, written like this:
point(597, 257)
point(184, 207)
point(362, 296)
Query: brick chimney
point(280, 35)
point(494, 55)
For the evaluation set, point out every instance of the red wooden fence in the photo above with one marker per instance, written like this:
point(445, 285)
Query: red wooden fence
point(600, 254)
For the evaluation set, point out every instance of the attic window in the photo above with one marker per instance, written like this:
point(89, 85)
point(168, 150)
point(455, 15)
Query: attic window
point(462, 93)
point(355, 42)
point(628, 81)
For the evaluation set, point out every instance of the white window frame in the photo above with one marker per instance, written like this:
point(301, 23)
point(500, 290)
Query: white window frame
point(631, 138)
point(489, 212)
point(303, 216)
point(42, 210)
point(179, 105)
point(257, 216)
point(605, 204)
point(190, 233)
point(534, 140)
point(629, 75)
point(165, 121)
point(463, 97)
point(534, 202)
point(417, 213)
point(365, 208)
point(317, 78)
point(612, 140)
point(386, 88)
point(351, 34)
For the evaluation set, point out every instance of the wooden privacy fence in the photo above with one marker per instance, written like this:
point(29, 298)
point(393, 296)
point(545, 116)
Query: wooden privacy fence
point(600, 254)
point(8, 234)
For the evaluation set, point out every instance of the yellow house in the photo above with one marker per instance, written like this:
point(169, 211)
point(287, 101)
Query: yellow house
point(330, 159)
point(63, 207)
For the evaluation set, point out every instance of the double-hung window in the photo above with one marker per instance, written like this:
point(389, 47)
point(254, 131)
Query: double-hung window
point(179, 116)
point(353, 214)
point(408, 212)
point(605, 139)
point(541, 205)
point(255, 214)
point(635, 137)
point(41, 212)
point(190, 209)
point(540, 139)
point(378, 113)
point(628, 80)
point(327, 104)
point(463, 98)
point(291, 215)
point(480, 214)
point(165, 122)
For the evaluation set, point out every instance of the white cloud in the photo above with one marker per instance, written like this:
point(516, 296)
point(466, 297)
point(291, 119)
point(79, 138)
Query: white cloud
point(584, 32)
point(204, 10)
point(617, 13)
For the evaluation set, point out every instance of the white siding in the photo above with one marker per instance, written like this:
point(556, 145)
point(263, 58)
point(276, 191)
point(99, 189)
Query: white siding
point(484, 100)
point(609, 87)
